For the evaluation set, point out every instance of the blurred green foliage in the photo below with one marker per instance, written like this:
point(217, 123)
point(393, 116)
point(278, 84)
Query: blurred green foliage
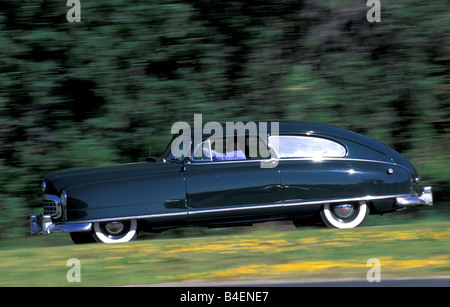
point(104, 90)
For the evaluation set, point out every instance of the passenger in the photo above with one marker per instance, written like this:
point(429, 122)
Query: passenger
point(233, 152)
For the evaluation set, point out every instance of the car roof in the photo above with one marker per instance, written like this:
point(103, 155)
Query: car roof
point(307, 128)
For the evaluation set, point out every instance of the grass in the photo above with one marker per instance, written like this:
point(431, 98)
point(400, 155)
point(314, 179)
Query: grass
point(267, 251)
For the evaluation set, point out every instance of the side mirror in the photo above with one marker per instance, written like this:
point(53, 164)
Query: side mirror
point(186, 162)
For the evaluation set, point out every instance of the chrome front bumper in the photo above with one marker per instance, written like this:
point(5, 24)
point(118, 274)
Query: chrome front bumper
point(425, 199)
point(43, 225)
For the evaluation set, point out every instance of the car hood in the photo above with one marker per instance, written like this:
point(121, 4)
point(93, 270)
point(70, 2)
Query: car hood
point(63, 179)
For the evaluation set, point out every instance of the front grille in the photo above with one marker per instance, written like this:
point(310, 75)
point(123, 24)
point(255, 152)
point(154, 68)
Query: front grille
point(51, 206)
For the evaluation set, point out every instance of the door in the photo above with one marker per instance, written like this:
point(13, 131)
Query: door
point(226, 190)
point(309, 175)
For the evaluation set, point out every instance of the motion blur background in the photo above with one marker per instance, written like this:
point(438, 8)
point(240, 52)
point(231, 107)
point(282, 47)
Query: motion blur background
point(102, 91)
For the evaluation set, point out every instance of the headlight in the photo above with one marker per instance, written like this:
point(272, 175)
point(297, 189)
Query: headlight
point(63, 198)
point(43, 186)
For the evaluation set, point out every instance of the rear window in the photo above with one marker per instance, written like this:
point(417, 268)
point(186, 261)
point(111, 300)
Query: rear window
point(294, 146)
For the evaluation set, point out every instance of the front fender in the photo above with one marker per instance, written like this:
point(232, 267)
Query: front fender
point(142, 196)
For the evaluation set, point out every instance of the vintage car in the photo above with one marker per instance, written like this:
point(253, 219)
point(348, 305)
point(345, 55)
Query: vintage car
point(319, 173)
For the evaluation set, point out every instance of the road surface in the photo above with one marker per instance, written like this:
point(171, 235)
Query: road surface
point(440, 281)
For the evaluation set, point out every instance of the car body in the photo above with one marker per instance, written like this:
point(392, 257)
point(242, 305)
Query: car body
point(320, 173)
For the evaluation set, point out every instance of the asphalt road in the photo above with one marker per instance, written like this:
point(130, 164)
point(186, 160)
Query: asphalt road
point(404, 282)
point(441, 281)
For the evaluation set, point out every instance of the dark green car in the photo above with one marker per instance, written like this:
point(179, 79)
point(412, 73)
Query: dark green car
point(309, 173)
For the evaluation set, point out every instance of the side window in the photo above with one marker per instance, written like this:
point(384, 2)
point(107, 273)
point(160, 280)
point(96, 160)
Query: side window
point(256, 148)
point(220, 149)
point(293, 146)
point(231, 148)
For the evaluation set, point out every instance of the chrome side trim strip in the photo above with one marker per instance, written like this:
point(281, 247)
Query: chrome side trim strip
point(236, 208)
point(128, 217)
point(312, 159)
point(339, 200)
point(279, 205)
point(198, 162)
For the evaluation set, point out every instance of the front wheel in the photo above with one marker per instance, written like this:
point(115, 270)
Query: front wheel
point(115, 231)
point(345, 215)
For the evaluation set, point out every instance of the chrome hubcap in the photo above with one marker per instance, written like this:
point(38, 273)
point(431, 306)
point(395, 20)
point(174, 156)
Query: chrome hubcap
point(343, 211)
point(114, 228)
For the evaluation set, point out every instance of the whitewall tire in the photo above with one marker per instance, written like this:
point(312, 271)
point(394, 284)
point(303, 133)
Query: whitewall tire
point(115, 231)
point(345, 215)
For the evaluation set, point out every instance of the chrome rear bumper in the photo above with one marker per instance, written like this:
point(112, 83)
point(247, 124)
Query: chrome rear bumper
point(425, 199)
point(43, 225)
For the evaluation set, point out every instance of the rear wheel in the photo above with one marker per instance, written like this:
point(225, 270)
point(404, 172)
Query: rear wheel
point(115, 231)
point(345, 215)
